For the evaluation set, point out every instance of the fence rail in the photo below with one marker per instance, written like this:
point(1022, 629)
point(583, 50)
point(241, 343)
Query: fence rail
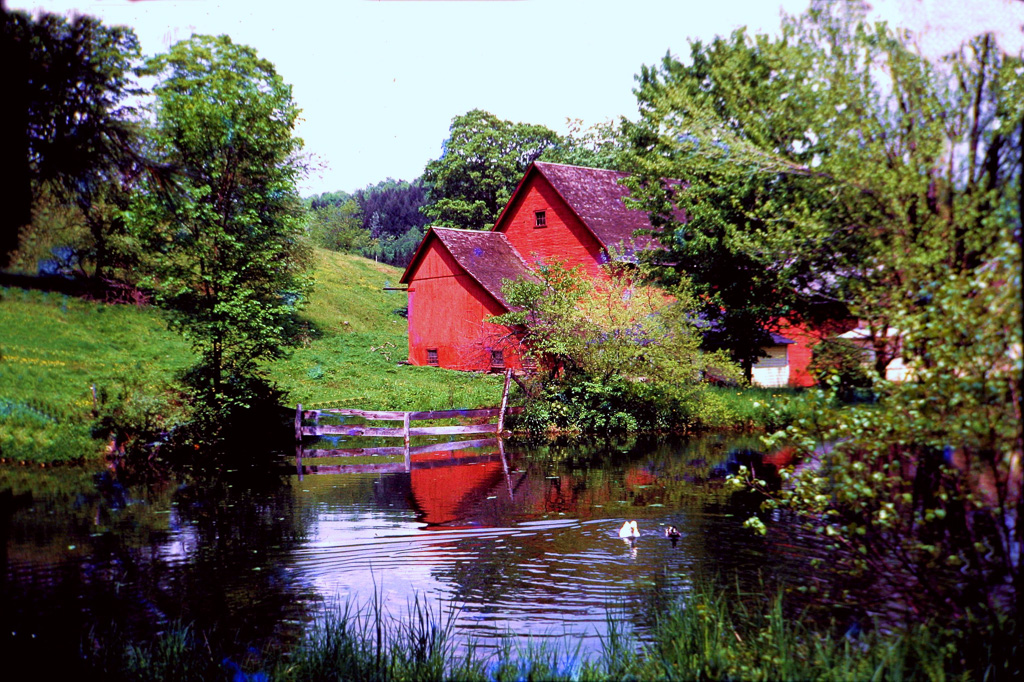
point(493, 451)
point(405, 432)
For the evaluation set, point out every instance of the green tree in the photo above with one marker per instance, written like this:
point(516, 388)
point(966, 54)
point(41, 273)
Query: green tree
point(66, 88)
point(483, 160)
point(601, 145)
point(339, 227)
point(226, 238)
point(830, 169)
point(866, 175)
point(710, 224)
point(921, 493)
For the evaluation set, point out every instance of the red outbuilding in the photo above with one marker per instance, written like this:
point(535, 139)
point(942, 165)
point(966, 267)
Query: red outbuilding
point(571, 214)
point(454, 286)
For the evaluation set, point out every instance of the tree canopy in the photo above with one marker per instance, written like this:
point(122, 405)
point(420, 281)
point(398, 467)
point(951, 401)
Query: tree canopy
point(483, 159)
point(225, 238)
point(830, 167)
point(391, 220)
point(853, 171)
point(66, 87)
point(338, 227)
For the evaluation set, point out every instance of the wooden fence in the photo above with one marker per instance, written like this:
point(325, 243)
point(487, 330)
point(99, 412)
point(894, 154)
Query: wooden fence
point(414, 458)
point(494, 424)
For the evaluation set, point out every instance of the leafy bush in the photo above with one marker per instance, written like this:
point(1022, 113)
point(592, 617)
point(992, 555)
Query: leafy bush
point(135, 415)
point(616, 355)
point(842, 359)
point(922, 491)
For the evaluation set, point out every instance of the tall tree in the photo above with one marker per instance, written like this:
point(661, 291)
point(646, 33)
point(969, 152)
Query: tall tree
point(482, 161)
point(859, 172)
point(227, 235)
point(710, 227)
point(834, 161)
point(66, 85)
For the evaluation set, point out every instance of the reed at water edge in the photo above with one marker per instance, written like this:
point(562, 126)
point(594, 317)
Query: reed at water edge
point(703, 635)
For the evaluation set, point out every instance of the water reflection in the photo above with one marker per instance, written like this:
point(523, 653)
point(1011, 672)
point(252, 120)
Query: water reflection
point(528, 541)
point(87, 555)
point(523, 539)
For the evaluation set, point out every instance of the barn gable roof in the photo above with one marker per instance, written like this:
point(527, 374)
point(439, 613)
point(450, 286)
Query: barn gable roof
point(597, 199)
point(487, 257)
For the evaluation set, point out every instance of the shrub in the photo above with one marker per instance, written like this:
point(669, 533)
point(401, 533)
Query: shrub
point(842, 359)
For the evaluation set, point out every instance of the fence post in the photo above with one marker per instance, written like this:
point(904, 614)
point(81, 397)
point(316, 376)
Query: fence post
point(298, 439)
point(504, 402)
point(504, 466)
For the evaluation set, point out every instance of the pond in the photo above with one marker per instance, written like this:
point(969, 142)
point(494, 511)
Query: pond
point(519, 540)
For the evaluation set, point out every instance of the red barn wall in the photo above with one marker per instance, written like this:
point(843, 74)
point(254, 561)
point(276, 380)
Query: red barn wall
point(447, 311)
point(806, 337)
point(564, 238)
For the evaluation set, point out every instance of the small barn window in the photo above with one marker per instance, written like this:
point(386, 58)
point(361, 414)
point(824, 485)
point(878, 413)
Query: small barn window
point(541, 219)
point(432, 356)
point(497, 358)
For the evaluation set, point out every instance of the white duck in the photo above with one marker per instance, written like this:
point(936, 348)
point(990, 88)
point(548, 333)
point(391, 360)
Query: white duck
point(629, 530)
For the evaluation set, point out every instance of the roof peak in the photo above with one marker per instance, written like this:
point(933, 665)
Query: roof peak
point(597, 197)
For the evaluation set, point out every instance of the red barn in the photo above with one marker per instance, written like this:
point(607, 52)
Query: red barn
point(454, 284)
point(571, 214)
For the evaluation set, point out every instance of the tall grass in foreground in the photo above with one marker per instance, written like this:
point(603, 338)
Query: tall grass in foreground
point(704, 635)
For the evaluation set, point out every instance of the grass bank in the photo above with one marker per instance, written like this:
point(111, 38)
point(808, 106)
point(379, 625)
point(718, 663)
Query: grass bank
point(350, 343)
point(354, 340)
point(54, 348)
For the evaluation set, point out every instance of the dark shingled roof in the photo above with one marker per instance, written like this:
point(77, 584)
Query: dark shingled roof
point(596, 197)
point(780, 340)
point(486, 256)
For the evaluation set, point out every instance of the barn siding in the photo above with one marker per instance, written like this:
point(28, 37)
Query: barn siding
point(564, 238)
point(447, 311)
point(800, 351)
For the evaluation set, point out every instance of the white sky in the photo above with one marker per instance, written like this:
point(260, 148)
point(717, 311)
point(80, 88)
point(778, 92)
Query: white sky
point(379, 82)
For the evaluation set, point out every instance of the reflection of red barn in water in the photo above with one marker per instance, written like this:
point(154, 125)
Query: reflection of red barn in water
point(448, 488)
point(443, 495)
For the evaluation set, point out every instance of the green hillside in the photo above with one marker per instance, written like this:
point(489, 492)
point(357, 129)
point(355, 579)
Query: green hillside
point(358, 337)
point(54, 348)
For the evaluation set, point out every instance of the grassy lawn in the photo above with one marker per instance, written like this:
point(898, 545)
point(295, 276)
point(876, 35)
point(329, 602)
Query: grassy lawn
point(54, 348)
point(350, 353)
point(357, 339)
